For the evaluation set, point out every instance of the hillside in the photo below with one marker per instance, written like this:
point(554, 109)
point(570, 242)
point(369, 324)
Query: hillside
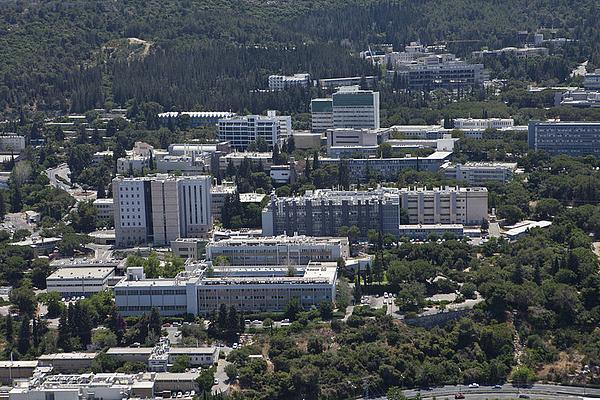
point(52, 58)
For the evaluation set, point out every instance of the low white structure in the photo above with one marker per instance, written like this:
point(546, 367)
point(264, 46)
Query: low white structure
point(79, 281)
point(278, 250)
point(187, 165)
point(281, 82)
point(105, 208)
point(422, 232)
point(39, 245)
point(522, 228)
point(477, 173)
point(477, 125)
point(265, 159)
point(11, 143)
point(188, 247)
point(282, 174)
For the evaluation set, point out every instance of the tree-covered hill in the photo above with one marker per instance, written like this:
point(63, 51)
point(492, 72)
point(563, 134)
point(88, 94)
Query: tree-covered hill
point(53, 54)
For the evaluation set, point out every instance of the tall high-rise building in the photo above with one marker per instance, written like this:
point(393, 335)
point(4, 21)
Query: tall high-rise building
point(321, 111)
point(349, 107)
point(355, 108)
point(160, 208)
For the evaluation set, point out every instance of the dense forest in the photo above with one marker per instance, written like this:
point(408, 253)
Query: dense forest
point(74, 56)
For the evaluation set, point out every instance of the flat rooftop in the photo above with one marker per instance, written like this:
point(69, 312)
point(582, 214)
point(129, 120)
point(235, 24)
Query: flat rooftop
point(68, 356)
point(36, 241)
point(18, 364)
point(130, 350)
point(431, 226)
point(277, 240)
point(81, 273)
point(193, 350)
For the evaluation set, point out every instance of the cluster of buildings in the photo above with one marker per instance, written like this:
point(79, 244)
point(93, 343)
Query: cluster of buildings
point(588, 96)
point(324, 212)
point(67, 376)
point(518, 52)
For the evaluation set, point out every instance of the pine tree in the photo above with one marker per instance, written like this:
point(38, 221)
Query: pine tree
point(64, 333)
point(9, 329)
point(84, 325)
point(16, 200)
point(2, 206)
point(154, 323)
point(222, 318)
point(23, 341)
point(232, 321)
point(35, 333)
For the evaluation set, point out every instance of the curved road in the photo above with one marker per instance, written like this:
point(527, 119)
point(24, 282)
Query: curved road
point(507, 391)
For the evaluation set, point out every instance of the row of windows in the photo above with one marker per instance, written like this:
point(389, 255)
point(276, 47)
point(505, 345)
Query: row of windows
point(155, 292)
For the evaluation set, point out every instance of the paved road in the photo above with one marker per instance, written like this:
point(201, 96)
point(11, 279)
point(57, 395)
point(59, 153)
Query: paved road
point(76, 191)
point(223, 385)
point(494, 230)
point(538, 391)
point(171, 331)
point(61, 171)
point(102, 252)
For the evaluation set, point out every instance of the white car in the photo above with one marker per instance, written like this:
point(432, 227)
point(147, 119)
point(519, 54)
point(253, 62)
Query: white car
point(216, 382)
point(473, 385)
point(235, 346)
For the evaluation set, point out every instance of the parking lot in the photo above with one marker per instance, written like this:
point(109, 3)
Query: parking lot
point(378, 301)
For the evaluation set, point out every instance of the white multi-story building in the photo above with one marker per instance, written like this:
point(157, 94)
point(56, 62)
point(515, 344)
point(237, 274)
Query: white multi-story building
point(255, 158)
point(79, 281)
point(421, 131)
point(518, 52)
point(201, 290)
point(282, 82)
point(160, 208)
point(285, 125)
point(196, 118)
point(477, 173)
point(445, 205)
point(329, 83)
point(346, 141)
point(481, 124)
point(136, 159)
point(187, 165)
point(592, 80)
point(105, 208)
point(241, 131)
point(278, 250)
point(11, 143)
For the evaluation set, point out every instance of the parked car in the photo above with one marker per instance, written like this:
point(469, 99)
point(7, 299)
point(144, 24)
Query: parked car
point(474, 385)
